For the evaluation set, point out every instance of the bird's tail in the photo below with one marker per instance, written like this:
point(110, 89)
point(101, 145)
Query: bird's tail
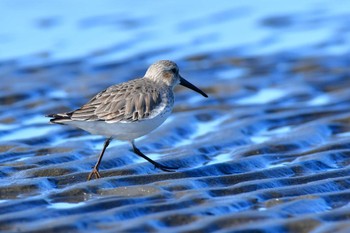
point(60, 118)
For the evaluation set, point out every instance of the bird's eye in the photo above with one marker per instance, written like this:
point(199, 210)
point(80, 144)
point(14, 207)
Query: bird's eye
point(174, 70)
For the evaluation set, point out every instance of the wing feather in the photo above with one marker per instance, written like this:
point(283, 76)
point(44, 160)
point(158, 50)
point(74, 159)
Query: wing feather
point(130, 101)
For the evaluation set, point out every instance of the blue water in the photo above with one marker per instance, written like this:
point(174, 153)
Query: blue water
point(106, 31)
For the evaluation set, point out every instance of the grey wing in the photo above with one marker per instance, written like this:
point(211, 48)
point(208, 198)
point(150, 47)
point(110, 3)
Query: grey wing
point(119, 103)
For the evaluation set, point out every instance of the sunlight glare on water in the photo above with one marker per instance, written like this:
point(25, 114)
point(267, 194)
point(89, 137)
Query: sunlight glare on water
point(28, 132)
point(65, 205)
point(263, 96)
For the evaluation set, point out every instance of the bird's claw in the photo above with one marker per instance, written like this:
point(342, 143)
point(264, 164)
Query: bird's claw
point(95, 173)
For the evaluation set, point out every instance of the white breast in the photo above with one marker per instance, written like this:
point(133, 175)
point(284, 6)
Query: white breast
point(125, 130)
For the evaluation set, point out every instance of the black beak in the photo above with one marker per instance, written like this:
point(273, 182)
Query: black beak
point(187, 84)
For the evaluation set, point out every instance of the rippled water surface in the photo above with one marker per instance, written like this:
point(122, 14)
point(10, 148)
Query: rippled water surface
point(268, 151)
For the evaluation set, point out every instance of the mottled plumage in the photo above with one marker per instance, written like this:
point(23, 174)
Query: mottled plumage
point(117, 104)
point(131, 109)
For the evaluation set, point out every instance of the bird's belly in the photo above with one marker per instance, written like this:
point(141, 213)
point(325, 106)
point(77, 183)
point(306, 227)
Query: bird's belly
point(122, 130)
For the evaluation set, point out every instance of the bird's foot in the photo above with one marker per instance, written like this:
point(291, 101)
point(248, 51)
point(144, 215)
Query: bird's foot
point(165, 168)
point(95, 173)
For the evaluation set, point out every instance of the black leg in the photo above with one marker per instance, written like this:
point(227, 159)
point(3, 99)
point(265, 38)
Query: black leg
point(95, 168)
point(157, 165)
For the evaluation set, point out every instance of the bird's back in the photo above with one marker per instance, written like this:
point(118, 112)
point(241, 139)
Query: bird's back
point(135, 100)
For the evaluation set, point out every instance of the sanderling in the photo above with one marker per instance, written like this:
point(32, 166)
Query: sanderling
point(129, 110)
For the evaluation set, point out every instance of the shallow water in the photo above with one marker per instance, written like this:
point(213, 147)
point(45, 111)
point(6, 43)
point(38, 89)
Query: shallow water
point(267, 151)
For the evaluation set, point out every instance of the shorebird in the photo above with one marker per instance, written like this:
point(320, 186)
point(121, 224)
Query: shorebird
point(129, 110)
